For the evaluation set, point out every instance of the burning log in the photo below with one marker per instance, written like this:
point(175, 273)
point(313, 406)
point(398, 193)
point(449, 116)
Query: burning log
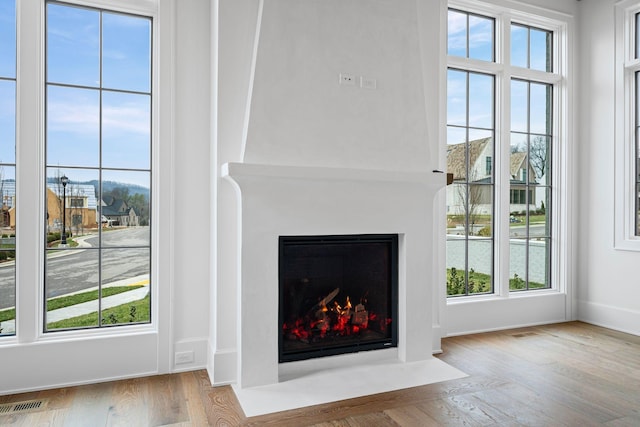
point(360, 316)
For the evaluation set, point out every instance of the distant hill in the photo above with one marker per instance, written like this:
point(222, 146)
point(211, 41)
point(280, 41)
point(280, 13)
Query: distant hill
point(108, 186)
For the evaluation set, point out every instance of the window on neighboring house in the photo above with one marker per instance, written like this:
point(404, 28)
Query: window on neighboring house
point(477, 72)
point(8, 82)
point(98, 145)
point(76, 203)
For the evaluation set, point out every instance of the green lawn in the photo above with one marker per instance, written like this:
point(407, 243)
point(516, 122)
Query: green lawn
point(480, 283)
point(66, 301)
point(134, 312)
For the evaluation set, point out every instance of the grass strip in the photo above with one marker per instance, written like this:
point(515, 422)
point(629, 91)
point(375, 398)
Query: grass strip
point(66, 301)
point(133, 312)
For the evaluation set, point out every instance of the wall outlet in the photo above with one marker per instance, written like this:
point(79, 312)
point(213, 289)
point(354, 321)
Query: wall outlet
point(368, 83)
point(183, 357)
point(347, 79)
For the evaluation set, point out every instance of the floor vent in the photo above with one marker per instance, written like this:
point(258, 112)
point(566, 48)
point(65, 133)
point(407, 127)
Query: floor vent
point(22, 407)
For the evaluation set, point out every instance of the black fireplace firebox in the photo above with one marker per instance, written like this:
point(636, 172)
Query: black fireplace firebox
point(337, 294)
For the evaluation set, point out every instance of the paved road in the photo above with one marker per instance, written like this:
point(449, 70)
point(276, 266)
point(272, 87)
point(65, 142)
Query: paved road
point(72, 270)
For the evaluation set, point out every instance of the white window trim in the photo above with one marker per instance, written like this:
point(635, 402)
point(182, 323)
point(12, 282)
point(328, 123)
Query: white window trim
point(153, 342)
point(625, 237)
point(562, 199)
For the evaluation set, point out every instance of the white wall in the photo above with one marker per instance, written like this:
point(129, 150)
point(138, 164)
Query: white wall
point(609, 290)
point(192, 174)
point(301, 115)
point(296, 113)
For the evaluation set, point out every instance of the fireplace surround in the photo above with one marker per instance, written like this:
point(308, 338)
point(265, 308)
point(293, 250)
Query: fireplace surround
point(280, 200)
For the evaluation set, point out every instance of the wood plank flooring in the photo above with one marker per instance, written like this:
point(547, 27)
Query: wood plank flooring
point(569, 374)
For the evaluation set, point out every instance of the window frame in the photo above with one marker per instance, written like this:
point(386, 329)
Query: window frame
point(101, 90)
point(560, 242)
point(30, 159)
point(626, 168)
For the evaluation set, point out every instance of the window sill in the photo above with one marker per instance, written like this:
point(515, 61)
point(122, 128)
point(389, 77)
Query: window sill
point(495, 297)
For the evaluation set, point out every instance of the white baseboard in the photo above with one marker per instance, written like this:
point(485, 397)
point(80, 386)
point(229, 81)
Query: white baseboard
point(222, 366)
point(436, 345)
point(607, 316)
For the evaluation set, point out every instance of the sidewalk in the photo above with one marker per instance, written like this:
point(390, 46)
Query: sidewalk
point(89, 307)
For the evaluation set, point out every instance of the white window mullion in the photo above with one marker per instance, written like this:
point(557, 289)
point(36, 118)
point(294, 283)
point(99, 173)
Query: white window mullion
point(503, 136)
point(29, 157)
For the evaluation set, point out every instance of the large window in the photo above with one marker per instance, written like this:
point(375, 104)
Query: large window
point(627, 184)
point(98, 168)
point(7, 165)
point(500, 145)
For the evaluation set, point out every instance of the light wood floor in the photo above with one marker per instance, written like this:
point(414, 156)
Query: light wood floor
point(569, 374)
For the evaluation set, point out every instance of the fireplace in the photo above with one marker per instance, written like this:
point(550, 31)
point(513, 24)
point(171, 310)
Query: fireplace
point(337, 294)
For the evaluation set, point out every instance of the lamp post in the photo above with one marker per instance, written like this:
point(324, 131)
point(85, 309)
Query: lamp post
point(64, 180)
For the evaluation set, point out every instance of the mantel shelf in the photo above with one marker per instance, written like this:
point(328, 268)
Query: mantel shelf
point(240, 170)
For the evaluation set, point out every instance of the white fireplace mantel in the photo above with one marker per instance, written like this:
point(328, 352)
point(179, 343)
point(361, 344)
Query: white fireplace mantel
point(435, 179)
point(294, 200)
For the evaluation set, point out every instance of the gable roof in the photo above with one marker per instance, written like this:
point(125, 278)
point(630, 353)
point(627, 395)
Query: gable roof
point(456, 156)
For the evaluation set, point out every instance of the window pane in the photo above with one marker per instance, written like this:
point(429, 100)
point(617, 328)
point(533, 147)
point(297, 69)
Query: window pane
point(127, 52)
point(457, 195)
point(126, 270)
point(637, 35)
point(638, 209)
point(480, 207)
point(539, 264)
point(7, 121)
point(73, 126)
point(539, 214)
point(519, 46)
point(480, 100)
point(517, 264)
point(480, 266)
point(457, 33)
point(125, 206)
point(519, 106)
point(456, 264)
point(7, 287)
point(73, 45)
point(8, 38)
point(539, 147)
point(7, 167)
point(457, 97)
point(540, 108)
point(481, 38)
point(126, 130)
point(541, 58)
point(71, 288)
point(98, 170)
point(78, 215)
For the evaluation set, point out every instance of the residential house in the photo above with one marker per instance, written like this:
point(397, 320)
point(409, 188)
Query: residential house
point(80, 207)
point(481, 164)
point(116, 212)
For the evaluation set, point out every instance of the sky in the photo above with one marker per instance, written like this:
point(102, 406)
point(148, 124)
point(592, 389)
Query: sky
point(528, 100)
point(7, 84)
point(98, 111)
point(88, 127)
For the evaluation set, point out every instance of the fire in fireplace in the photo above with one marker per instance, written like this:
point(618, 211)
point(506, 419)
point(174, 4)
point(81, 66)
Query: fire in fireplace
point(338, 294)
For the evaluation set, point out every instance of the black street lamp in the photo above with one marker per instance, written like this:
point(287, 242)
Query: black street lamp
point(64, 180)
